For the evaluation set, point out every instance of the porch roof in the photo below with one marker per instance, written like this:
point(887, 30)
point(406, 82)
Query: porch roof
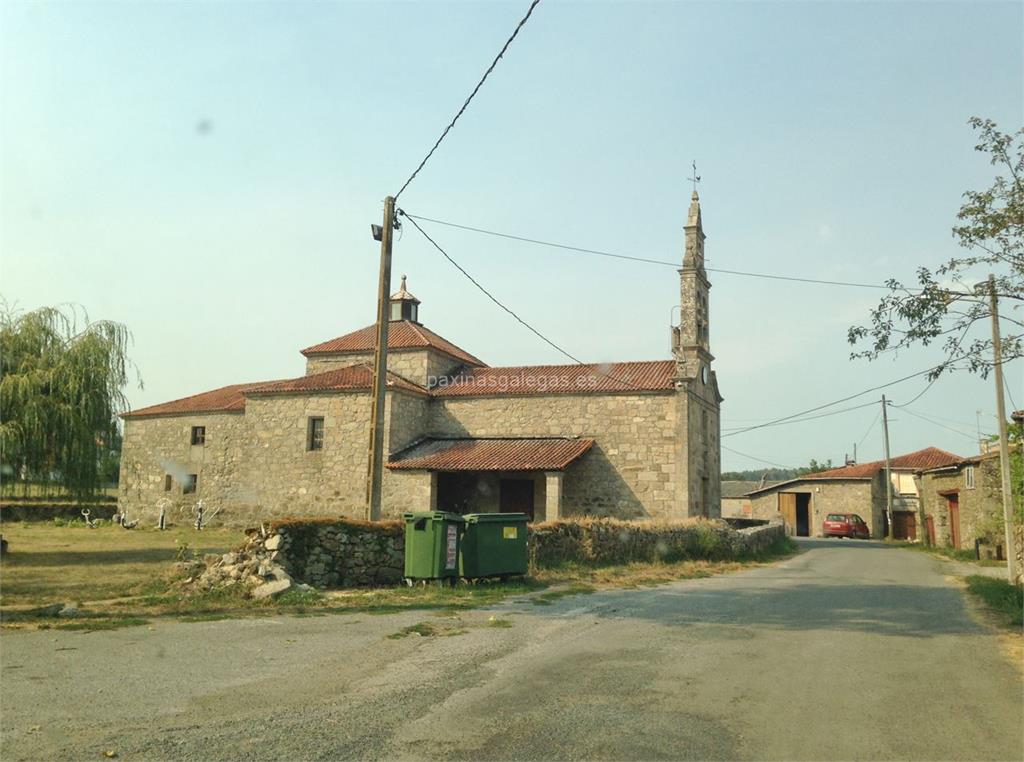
point(490, 454)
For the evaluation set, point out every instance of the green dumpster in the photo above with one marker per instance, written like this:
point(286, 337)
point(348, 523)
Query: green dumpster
point(432, 545)
point(494, 545)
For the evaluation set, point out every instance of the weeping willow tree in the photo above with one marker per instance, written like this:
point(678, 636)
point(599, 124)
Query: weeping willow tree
point(61, 382)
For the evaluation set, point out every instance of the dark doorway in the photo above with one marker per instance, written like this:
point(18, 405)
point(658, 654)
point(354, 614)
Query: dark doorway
point(930, 521)
point(803, 514)
point(954, 520)
point(456, 492)
point(904, 525)
point(517, 496)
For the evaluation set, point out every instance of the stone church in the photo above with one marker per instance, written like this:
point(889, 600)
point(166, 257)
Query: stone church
point(630, 439)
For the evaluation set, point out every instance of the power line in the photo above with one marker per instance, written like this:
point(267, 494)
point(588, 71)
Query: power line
point(471, 96)
point(874, 422)
point(577, 249)
point(920, 395)
point(507, 309)
point(812, 417)
point(941, 425)
point(754, 458)
point(839, 401)
point(1009, 393)
point(613, 255)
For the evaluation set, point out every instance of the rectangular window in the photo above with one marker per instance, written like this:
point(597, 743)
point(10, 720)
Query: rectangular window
point(167, 482)
point(198, 435)
point(190, 484)
point(315, 434)
point(969, 477)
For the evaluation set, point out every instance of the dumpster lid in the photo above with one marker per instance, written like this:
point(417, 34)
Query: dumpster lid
point(434, 516)
point(502, 518)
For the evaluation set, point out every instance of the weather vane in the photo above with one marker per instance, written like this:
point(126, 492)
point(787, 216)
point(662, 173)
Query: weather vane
point(696, 178)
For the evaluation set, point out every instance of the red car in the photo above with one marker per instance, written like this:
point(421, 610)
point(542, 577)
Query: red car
point(845, 525)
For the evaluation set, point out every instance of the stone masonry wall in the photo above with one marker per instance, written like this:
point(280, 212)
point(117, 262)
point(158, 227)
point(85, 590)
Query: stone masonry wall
point(279, 470)
point(256, 465)
point(629, 471)
point(156, 447)
point(417, 365)
point(977, 505)
point(826, 497)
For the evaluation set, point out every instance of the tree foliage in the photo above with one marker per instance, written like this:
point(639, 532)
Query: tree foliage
point(814, 467)
point(60, 394)
point(942, 307)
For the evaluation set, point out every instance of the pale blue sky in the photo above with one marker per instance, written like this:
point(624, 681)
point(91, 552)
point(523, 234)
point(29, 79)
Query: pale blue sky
point(831, 138)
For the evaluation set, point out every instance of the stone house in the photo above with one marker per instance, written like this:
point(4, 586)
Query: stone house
point(960, 501)
point(804, 502)
point(627, 439)
point(736, 502)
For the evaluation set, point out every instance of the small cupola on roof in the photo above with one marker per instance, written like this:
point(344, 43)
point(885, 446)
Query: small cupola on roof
point(404, 306)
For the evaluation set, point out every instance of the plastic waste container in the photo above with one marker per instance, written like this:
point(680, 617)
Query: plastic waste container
point(432, 545)
point(494, 545)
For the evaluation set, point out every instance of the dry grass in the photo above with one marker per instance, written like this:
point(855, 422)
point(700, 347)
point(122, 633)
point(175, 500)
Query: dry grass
point(50, 564)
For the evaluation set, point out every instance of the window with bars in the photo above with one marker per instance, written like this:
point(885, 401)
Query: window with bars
point(315, 434)
point(969, 477)
point(198, 435)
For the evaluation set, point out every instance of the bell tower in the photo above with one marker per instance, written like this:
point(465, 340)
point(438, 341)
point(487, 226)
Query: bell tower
point(404, 306)
point(691, 345)
point(698, 401)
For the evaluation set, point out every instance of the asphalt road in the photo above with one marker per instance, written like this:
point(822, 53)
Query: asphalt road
point(848, 651)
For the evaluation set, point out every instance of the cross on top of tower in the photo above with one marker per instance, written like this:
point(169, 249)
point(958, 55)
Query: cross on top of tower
point(696, 178)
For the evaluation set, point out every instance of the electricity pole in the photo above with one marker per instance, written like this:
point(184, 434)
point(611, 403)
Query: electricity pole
point(374, 469)
point(1004, 442)
point(888, 472)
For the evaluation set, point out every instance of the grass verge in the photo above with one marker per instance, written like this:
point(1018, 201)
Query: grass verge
point(967, 556)
point(1001, 598)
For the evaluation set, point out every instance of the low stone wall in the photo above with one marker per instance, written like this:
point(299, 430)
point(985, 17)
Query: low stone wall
point(340, 553)
point(761, 538)
point(610, 541)
point(324, 553)
point(304, 553)
point(31, 510)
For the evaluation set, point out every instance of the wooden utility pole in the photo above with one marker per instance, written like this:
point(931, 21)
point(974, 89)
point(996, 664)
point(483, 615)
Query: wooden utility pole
point(888, 471)
point(375, 464)
point(1004, 441)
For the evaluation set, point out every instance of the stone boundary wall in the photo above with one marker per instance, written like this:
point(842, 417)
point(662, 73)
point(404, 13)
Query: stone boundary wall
point(44, 511)
point(611, 541)
point(761, 538)
point(324, 553)
point(300, 554)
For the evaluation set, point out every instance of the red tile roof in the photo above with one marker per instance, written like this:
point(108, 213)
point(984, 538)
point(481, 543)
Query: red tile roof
point(231, 399)
point(930, 457)
point(227, 399)
point(561, 379)
point(402, 334)
point(547, 454)
point(350, 378)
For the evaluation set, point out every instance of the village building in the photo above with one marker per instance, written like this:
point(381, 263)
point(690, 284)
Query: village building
point(736, 503)
point(962, 502)
point(625, 439)
point(804, 502)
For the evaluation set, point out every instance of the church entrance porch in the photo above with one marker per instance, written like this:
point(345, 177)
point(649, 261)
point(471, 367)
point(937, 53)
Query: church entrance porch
point(508, 475)
point(489, 492)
